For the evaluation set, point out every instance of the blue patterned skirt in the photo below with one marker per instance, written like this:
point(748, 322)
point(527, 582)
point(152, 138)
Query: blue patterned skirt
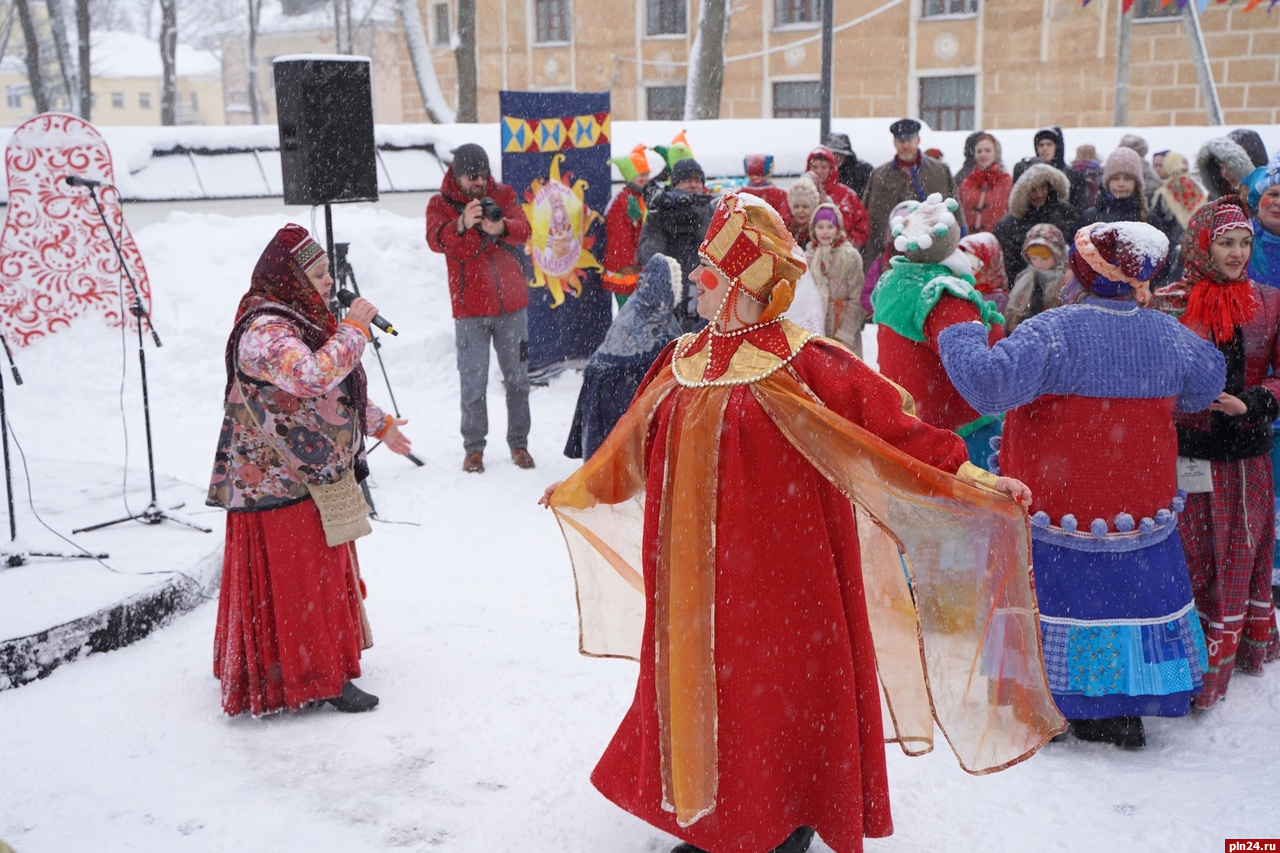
point(1120, 631)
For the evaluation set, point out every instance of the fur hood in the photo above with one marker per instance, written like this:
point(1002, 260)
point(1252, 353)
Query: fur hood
point(1222, 151)
point(1034, 176)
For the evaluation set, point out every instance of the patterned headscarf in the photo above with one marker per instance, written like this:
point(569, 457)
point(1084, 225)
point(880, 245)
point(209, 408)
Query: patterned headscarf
point(1216, 304)
point(280, 276)
point(1118, 259)
point(279, 279)
point(990, 276)
point(1181, 194)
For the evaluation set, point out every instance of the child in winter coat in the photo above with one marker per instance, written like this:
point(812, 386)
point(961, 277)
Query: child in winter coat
point(803, 198)
point(1039, 286)
point(836, 266)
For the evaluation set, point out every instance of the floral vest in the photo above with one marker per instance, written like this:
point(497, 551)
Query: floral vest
point(320, 436)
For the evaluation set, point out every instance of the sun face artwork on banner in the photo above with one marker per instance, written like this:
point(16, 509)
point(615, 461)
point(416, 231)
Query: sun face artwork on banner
point(560, 247)
point(56, 259)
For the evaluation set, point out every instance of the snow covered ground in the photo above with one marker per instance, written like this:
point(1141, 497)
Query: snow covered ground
point(490, 722)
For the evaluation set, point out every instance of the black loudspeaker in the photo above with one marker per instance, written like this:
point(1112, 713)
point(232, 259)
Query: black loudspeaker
point(325, 110)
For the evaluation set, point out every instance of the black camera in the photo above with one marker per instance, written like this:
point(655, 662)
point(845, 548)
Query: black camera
point(490, 209)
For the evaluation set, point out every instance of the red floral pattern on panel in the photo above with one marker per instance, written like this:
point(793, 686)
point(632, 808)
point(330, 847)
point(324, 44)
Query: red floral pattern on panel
point(56, 258)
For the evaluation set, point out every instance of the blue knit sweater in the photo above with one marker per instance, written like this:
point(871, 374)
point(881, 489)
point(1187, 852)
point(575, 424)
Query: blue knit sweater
point(1096, 348)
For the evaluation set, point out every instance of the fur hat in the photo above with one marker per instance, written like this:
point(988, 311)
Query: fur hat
point(1036, 175)
point(748, 242)
point(1086, 152)
point(633, 165)
point(1134, 143)
point(1118, 258)
point(305, 251)
point(930, 231)
point(804, 190)
point(1123, 161)
point(1219, 152)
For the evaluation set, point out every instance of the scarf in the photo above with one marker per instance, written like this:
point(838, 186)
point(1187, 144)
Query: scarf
point(279, 286)
point(1216, 305)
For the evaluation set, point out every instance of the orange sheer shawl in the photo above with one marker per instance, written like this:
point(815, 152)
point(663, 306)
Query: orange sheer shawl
point(946, 569)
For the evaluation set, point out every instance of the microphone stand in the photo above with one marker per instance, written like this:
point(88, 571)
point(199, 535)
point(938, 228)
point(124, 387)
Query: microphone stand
point(14, 555)
point(344, 275)
point(153, 514)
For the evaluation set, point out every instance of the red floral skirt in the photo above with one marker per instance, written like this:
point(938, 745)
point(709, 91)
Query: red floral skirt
point(289, 614)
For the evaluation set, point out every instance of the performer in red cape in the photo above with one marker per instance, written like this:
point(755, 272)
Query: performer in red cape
point(743, 533)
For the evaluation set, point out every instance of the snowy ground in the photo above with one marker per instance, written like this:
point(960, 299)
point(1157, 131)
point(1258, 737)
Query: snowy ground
point(490, 722)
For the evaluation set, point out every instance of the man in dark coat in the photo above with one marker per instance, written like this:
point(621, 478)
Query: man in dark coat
point(854, 173)
point(1036, 198)
point(1051, 148)
point(678, 219)
point(909, 176)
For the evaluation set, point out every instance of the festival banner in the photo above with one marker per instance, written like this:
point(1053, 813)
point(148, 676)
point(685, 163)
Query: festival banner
point(56, 259)
point(555, 154)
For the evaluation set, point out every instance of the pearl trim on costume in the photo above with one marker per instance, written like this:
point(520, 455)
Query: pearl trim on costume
point(709, 383)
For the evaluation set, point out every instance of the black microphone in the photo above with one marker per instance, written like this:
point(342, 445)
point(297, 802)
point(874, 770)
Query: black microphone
point(346, 297)
point(77, 181)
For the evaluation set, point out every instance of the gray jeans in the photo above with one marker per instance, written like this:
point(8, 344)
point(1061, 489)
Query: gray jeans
point(510, 336)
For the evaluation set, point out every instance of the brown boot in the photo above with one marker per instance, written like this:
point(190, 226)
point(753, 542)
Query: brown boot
point(522, 458)
point(474, 463)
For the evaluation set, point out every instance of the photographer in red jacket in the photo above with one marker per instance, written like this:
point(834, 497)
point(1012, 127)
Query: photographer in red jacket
point(480, 228)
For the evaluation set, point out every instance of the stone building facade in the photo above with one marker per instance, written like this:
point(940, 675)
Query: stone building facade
point(957, 64)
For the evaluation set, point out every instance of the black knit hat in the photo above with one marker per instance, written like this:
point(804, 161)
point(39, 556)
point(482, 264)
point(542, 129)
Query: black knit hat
point(685, 169)
point(469, 159)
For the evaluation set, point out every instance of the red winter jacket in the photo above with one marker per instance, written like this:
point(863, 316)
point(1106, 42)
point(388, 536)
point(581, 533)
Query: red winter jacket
point(486, 278)
point(857, 225)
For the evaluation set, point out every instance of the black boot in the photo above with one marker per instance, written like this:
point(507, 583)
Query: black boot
point(353, 700)
point(797, 842)
point(1128, 732)
point(1124, 732)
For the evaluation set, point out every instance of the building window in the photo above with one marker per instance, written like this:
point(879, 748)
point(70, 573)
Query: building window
point(801, 99)
point(195, 103)
point(117, 100)
point(440, 16)
point(665, 103)
point(946, 103)
point(144, 100)
point(1145, 10)
point(552, 19)
point(13, 96)
point(934, 8)
point(667, 17)
point(796, 12)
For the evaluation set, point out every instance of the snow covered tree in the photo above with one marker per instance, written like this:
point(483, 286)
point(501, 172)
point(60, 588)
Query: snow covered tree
point(65, 38)
point(706, 61)
point(464, 56)
point(35, 63)
point(82, 57)
point(168, 60)
point(423, 68)
point(251, 59)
